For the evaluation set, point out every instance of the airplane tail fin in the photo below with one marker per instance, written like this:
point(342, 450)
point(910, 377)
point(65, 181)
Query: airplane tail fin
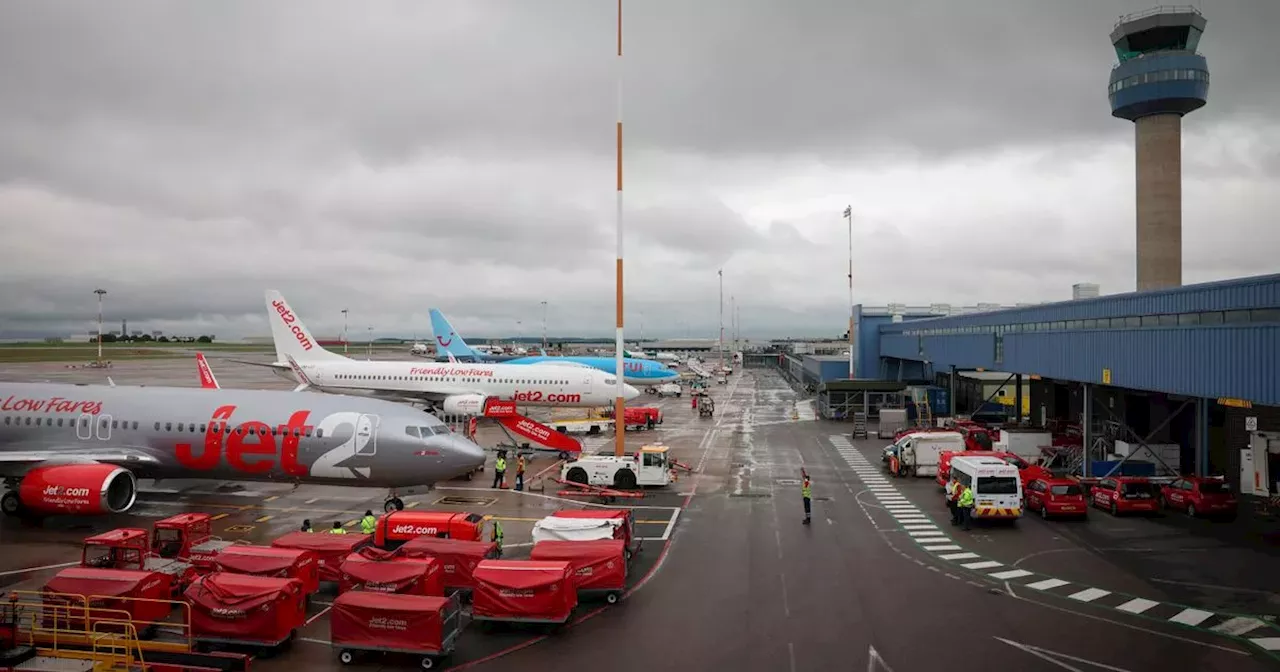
point(207, 380)
point(447, 340)
point(291, 336)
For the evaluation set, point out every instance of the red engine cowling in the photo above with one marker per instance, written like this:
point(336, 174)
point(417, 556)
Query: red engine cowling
point(78, 489)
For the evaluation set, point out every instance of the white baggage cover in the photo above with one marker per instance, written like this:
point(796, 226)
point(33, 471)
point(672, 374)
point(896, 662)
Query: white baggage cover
point(574, 529)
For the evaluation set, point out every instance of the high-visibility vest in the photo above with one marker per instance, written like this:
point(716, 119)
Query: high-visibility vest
point(520, 466)
point(337, 530)
point(806, 490)
point(367, 524)
point(308, 530)
point(966, 498)
point(500, 464)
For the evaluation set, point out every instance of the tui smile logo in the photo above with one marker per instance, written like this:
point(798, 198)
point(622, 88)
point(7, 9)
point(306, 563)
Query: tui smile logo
point(443, 343)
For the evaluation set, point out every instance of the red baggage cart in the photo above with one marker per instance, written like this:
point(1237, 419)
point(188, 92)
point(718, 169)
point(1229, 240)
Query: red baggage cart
point(523, 591)
point(416, 625)
point(381, 572)
point(397, 527)
point(599, 566)
point(330, 549)
point(143, 595)
point(624, 530)
point(262, 612)
point(458, 559)
point(289, 563)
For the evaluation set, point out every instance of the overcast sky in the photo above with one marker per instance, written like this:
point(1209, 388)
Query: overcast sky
point(393, 156)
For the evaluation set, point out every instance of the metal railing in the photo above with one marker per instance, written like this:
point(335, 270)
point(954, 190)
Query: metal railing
point(72, 622)
point(1158, 9)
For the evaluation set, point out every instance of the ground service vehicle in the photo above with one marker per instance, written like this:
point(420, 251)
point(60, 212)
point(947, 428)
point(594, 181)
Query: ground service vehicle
point(997, 489)
point(173, 537)
point(599, 567)
point(669, 390)
point(372, 570)
point(397, 527)
point(411, 625)
point(288, 563)
point(523, 591)
point(1026, 470)
point(706, 406)
point(458, 559)
point(918, 453)
point(648, 467)
point(128, 548)
point(1124, 494)
point(330, 549)
point(260, 612)
point(144, 595)
point(1056, 497)
point(1199, 496)
point(1023, 443)
point(892, 420)
point(642, 417)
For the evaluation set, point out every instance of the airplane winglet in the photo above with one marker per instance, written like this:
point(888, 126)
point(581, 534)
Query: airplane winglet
point(452, 359)
point(110, 382)
point(542, 351)
point(304, 381)
point(207, 380)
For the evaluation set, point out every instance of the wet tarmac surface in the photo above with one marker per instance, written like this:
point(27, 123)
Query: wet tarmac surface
point(730, 578)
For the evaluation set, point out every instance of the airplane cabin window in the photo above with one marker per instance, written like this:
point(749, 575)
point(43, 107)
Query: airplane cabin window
point(37, 422)
point(319, 433)
point(113, 424)
point(6, 419)
point(28, 422)
point(59, 421)
point(157, 426)
point(168, 426)
point(179, 426)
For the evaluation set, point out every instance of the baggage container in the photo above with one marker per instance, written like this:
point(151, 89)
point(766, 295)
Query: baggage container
point(143, 594)
point(240, 609)
point(330, 549)
point(397, 527)
point(458, 559)
point(414, 625)
point(599, 567)
point(623, 521)
point(375, 571)
point(523, 591)
point(289, 563)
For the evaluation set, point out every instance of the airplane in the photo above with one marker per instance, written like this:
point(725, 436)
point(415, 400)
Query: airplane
point(635, 371)
point(419, 349)
point(80, 449)
point(454, 389)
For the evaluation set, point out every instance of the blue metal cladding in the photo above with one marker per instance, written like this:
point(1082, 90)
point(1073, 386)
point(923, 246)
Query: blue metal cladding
point(869, 343)
point(834, 370)
point(900, 346)
point(1238, 294)
point(1167, 82)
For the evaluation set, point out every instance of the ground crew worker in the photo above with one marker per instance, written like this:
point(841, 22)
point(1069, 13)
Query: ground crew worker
point(496, 535)
point(368, 523)
point(337, 528)
point(806, 491)
point(500, 471)
point(306, 526)
point(951, 500)
point(520, 472)
point(965, 504)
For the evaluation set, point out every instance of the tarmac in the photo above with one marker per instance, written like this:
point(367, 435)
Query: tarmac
point(730, 578)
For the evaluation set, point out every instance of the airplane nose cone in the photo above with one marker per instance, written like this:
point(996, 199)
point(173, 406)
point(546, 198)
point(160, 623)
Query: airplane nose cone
point(466, 453)
point(629, 392)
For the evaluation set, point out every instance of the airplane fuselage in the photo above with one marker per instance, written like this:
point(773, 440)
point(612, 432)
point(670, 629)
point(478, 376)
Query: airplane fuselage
point(635, 371)
point(158, 432)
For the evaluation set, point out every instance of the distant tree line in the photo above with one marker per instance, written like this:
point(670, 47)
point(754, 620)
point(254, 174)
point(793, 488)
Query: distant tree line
point(148, 338)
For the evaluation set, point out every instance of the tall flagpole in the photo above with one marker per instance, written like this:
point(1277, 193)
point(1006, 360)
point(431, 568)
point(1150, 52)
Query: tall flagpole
point(619, 404)
point(848, 213)
point(721, 274)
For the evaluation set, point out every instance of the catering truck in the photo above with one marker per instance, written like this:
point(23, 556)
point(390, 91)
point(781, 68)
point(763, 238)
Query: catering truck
point(918, 453)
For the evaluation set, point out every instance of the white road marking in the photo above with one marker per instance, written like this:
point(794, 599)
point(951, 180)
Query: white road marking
point(1137, 605)
point(985, 564)
point(39, 569)
point(919, 527)
point(1238, 626)
point(959, 556)
point(936, 549)
point(1268, 643)
point(1191, 616)
point(1089, 594)
point(1047, 584)
point(1011, 574)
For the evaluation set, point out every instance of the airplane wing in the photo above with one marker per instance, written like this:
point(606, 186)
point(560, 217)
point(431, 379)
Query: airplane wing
point(207, 380)
point(17, 462)
point(270, 365)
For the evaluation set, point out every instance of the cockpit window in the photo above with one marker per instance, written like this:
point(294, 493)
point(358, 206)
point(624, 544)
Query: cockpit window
point(610, 381)
point(412, 431)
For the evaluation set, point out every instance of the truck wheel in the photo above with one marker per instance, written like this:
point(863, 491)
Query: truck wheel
point(10, 504)
point(427, 663)
point(624, 480)
point(577, 475)
point(393, 504)
point(611, 598)
point(347, 657)
point(902, 472)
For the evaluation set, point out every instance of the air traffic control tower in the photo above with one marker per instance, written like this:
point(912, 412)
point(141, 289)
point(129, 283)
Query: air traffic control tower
point(1159, 78)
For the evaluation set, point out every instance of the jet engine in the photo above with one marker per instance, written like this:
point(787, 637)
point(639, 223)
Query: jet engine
point(464, 404)
point(77, 489)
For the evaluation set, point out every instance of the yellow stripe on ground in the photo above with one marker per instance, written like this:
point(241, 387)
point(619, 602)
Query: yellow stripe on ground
point(220, 516)
point(341, 512)
point(262, 519)
point(351, 523)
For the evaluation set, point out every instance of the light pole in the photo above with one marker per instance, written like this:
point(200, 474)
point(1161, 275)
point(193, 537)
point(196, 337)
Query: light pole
point(345, 338)
point(544, 327)
point(721, 348)
point(848, 213)
point(370, 344)
point(619, 403)
point(100, 293)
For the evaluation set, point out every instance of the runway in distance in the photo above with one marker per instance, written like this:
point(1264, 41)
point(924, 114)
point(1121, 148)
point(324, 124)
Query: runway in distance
point(79, 449)
point(456, 389)
point(635, 371)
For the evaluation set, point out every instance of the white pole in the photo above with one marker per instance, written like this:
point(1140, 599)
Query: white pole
point(370, 344)
point(544, 326)
point(848, 213)
point(619, 404)
point(100, 293)
point(721, 348)
point(345, 338)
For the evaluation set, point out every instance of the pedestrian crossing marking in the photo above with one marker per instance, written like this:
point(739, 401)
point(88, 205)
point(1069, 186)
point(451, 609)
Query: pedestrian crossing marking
point(1011, 574)
point(1137, 605)
point(960, 556)
point(937, 549)
point(985, 564)
point(1191, 616)
point(1089, 594)
point(1047, 584)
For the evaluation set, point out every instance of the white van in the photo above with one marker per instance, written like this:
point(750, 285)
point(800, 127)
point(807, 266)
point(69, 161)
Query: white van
point(997, 489)
point(919, 452)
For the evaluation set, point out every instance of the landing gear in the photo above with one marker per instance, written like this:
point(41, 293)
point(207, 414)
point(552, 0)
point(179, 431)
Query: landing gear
point(10, 504)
